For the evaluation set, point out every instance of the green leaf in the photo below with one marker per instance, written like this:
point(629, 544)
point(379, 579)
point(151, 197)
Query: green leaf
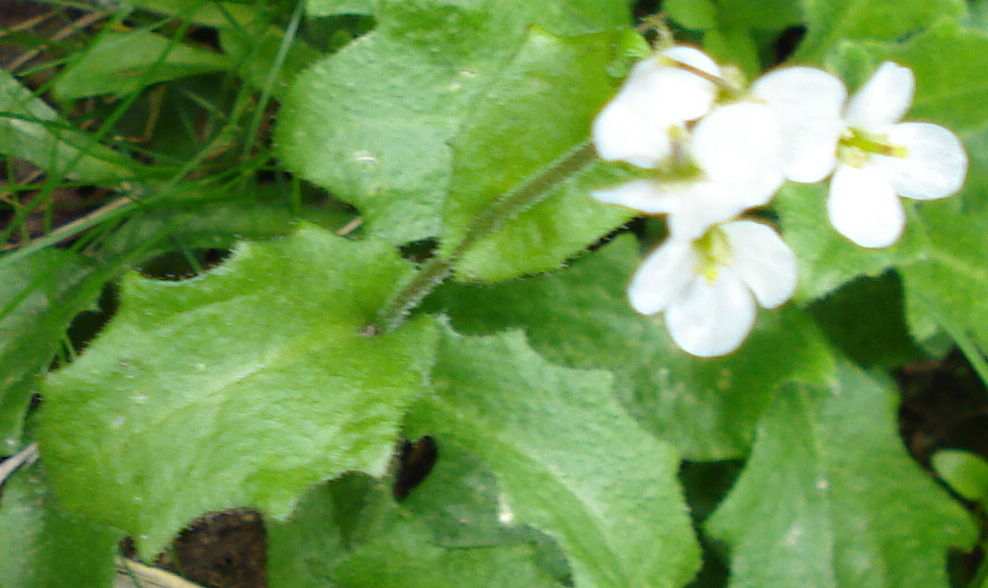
point(31, 130)
point(830, 22)
point(372, 123)
point(256, 53)
point(536, 161)
point(863, 313)
point(40, 295)
point(332, 7)
point(966, 473)
point(734, 45)
point(125, 62)
point(692, 14)
point(569, 460)
point(209, 13)
point(761, 14)
point(406, 558)
point(581, 317)
point(42, 546)
point(241, 387)
point(830, 498)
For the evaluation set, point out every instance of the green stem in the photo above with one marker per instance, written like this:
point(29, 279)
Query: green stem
point(506, 207)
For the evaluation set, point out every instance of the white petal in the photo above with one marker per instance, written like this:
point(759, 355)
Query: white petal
point(883, 99)
point(762, 260)
point(935, 164)
point(708, 203)
point(623, 131)
point(712, 318)
point(693, 95)
point(663, 276)
point(808, 103)
point(648, 196)
point(738, 142)
point(864, 208)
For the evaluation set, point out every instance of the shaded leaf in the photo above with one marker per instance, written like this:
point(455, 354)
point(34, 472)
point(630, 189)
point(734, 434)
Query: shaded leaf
point(31, 130)
point(568, 459)
point(830, 497)
point(241, 387)
point(125, 62)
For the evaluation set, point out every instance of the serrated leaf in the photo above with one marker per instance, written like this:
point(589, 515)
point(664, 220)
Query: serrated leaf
point(125, 62)
point(568, 459)
point(581, 317)
point(830, 22)
point(406, 558)
point(372, 122)
point(32, 130)
point(40, 295)
point(830, 498)
point(241, 387)
point(512, 127)
point(43, 547)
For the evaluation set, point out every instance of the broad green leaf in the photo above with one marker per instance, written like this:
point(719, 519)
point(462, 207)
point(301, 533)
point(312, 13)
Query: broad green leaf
point(40, 295)
point(692, 14)
point(241, 387)
point(406, 558)
point(569, 461)
point(350, 533)
point(372, 123)
point(124, 62)
point(43, 547)
point(331, 7)
point(966, 473)
point(32, 130)
point(209, 13)
point(830, 498)
point(581, 317)
point(534, 150)
point(830, 22)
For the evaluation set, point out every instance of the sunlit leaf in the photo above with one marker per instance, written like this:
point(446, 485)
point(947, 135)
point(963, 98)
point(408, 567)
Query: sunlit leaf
point(241, 387)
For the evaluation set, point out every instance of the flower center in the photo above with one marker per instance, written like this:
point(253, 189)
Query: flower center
point(857, 146)
point(715, 252)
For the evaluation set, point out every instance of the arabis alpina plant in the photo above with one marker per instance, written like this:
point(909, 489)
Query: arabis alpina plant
point(708, 287)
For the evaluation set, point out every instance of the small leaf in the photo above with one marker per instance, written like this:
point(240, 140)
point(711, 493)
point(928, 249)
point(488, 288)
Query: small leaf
point(964, 472)
point(830, 498)
point(44, 547)
point(41, 293)
point(32, 131)
point(568, 459)
point(372, 123)
point(581, 317)
point(241, 387)
point(692, 14)
point(124, 62)
point(512, 126)
point(830, 22)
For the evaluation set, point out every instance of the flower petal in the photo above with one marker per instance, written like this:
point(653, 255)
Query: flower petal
point(935, 164)
point(645, 195)
point(884, 98)
point(693, 95)
point(762, 260)
point(712, 318)
point(738, 143)
point(864, 208)
point(663, 276)
point(808, 102)
point(707, 203)
point(625, 131)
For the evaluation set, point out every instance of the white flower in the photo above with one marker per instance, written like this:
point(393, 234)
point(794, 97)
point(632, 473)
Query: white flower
point(731, 161)
point(879, 159)
point(656, 96)
point(708, 287)
point(807, 101)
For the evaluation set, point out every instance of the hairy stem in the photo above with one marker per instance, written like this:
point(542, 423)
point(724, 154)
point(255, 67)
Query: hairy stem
point(506, 207)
